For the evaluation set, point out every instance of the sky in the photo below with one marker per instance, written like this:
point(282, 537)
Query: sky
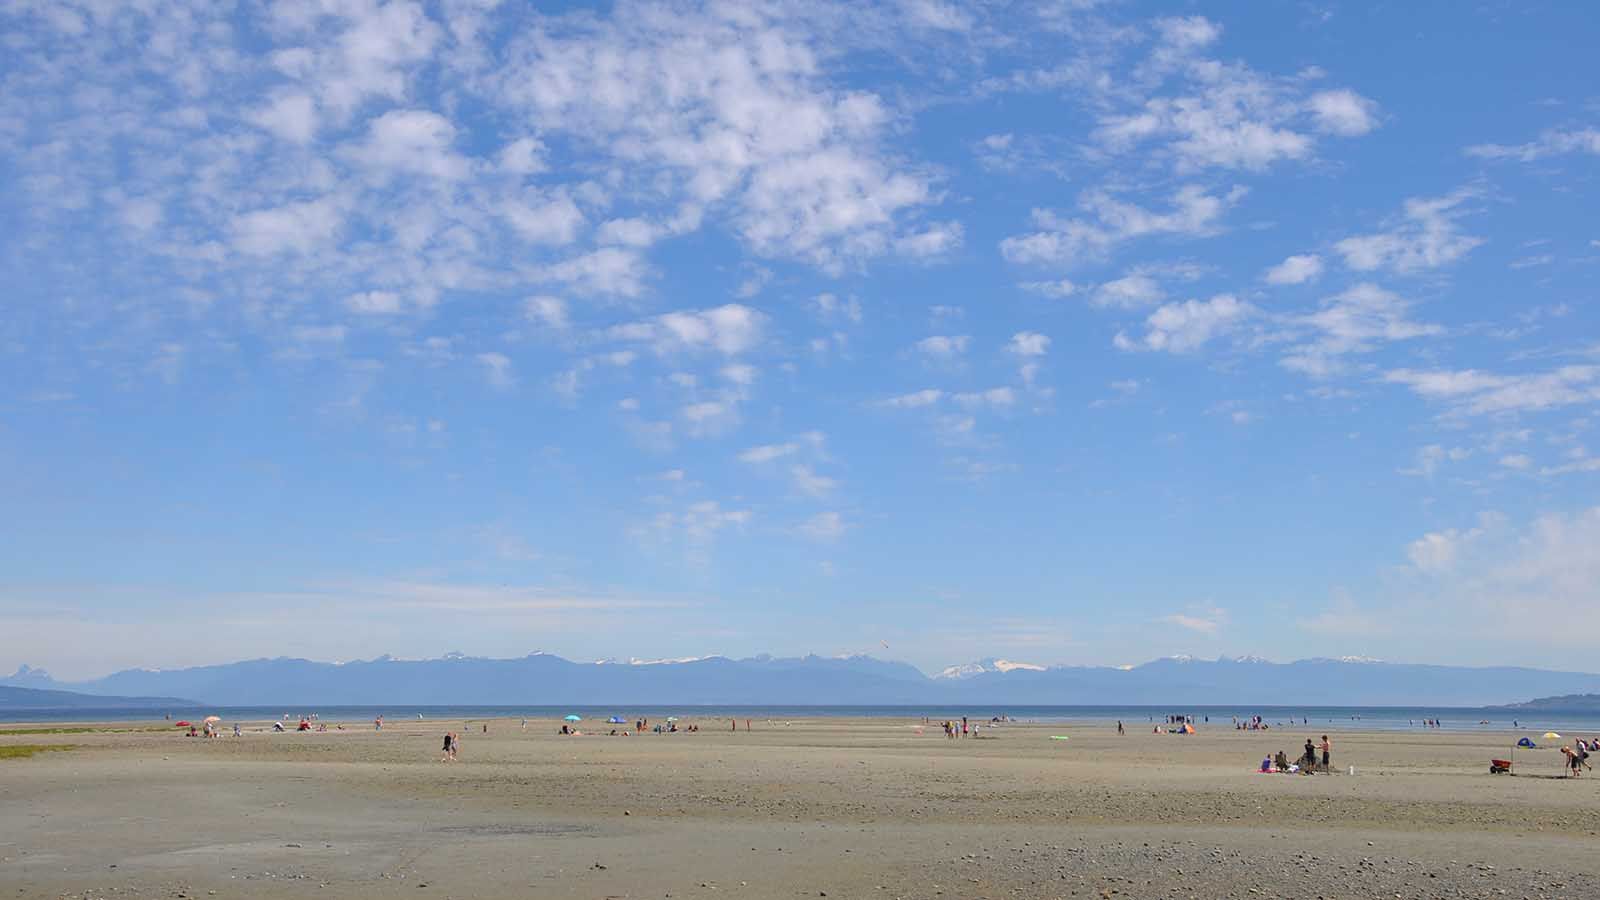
point(1065, 332)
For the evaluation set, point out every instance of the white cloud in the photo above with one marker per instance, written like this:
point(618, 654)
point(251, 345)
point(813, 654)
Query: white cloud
point(1555, 142)
point(730, 329)
point(1427, 236)
point(1295, 270)
point(709, 418)
point(1215, 114)
point(824, 526)
point(1436, 551)
point(768, 452)
point(1430, 457)
point(1518, 461)
point(414, 141)
point(1111, 222)
point(1058, 289)
point(742, 374)
point(629, 232)
point(541, 219)
point(830, 308)
point(291, 116)
point(1475, 392)
point(1351, 322)
point(698, 524)
point(374, 303)
point(497, 368)
point(303, 227)
point(1206, 620)
point(719, 108)
point(609, 270)
point(933, 241)
point(523, 156)
point(1187, 326)
point(1343, 112)
point(927, 397)
point(1029, 343)
point(998, 397)
point(942, 346)
point(550, 312)
point(1129, 292)
point(1507, 583)
point(808, 482)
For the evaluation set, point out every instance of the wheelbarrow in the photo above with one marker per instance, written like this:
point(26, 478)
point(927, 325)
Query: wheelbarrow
point(1499, 766)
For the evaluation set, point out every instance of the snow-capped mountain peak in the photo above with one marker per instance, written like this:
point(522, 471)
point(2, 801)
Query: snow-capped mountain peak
point(982, 666)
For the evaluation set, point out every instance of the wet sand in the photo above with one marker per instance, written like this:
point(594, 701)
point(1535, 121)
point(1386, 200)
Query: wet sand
point(829, 807)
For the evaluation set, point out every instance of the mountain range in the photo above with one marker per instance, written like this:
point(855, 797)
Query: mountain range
point(24, 698)
point(1584, 703)
point(541, 679)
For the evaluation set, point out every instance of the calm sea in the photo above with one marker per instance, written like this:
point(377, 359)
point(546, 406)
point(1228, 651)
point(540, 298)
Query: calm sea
point(1377, 718)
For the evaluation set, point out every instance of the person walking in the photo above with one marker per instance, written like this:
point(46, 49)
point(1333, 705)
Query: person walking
point(1119, 727)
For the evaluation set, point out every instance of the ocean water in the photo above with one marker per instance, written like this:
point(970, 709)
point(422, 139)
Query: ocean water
point(1368, 718)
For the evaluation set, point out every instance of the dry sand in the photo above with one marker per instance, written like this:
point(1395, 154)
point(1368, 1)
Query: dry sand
point(829, 807)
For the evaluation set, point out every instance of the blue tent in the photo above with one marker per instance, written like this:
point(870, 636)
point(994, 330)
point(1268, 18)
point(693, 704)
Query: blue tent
point(617, 720)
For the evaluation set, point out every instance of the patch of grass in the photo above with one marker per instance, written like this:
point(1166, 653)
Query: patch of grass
point(23, 751)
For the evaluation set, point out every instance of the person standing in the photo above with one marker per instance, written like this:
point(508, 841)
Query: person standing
point(1119, 727)
point(1327, 751)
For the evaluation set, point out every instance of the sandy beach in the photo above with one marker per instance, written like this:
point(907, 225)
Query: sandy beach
point(807, 808)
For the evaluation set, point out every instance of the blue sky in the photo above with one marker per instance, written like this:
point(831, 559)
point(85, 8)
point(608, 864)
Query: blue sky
point(1067, 332)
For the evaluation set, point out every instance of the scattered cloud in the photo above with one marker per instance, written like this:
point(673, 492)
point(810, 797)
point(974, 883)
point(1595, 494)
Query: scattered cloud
point(1187, 326)
point(1474, 392)
point(1206, 620)
point(1028, 343)
point(1205, 113)
point(1343, 112)
point(1058, 289)
point(824, 526)
point(497, 369)
point(1355, 321)
point(1555, 142)
point(916, 399)
point(1426, 236)
point(941, 346)
point(1430, 457)
point(768, 452)
point(1295, 270)
point(1109, 222)
point(1129, 292)
point(731, 329)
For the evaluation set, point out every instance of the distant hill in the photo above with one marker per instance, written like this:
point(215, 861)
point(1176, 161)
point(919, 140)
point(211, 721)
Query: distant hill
point(15, 698)
point(543, 679)
point(1563, 703)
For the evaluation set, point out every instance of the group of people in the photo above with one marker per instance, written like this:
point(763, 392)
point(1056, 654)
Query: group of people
point(954, 729)
point(1254, 723)
point(1307, 763)
point(1578, 756)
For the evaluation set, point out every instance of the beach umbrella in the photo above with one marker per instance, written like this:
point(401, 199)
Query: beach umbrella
point(672, 718)
point(1551, 736)
point(184, 724)
point(212, 719)
point(574, 718)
